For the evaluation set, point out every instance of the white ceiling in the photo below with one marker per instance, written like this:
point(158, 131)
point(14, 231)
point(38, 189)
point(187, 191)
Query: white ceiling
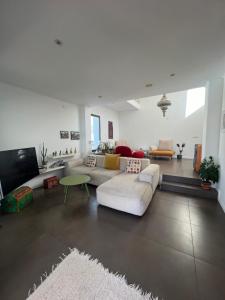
point(110, 48)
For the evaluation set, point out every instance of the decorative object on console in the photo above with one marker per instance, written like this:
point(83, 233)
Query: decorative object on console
point(58, 163)
point(91, 161)
point(163, 104)
point(104, 147)
point(51, 182)
point(112, 161)
point(74, 135)
point(43, 155)
point(64, 134)
point(133, 166)
point(110, 130)
point(181, 149)
point(209, 172)
point(75, 150)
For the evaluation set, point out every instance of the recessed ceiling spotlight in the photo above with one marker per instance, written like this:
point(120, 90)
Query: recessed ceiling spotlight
point(148, 85)
point(58, 42)
point(99, 97)
point(172, 74)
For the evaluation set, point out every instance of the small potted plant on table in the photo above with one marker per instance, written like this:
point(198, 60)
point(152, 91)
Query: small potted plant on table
point(209, 172)
point(181, 149)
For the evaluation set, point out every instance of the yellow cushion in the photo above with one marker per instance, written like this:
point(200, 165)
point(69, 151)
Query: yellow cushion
point(112, 161)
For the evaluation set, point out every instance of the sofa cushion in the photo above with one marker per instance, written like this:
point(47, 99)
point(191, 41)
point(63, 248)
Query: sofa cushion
point(100, 161)
point(133, 166)
point(112, 161)
point(162, 153)
point(126, 193)
point(100, 175)
point(123, 163)
point(91, 161)
point(150, 175)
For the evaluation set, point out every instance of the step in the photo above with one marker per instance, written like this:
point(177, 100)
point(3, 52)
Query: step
point(182, 180)
point(190, 190)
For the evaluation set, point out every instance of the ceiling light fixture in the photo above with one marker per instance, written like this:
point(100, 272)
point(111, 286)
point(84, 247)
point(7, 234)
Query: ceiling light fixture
point(163, 104)
point(99, 97)
point(148, 85)
point(172, 74)
point(58, 42)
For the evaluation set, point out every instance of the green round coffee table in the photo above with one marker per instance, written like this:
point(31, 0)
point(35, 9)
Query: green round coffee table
point(74, 180)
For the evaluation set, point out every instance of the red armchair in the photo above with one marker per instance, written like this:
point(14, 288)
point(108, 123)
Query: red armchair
point(127, 152)
point(123, 151)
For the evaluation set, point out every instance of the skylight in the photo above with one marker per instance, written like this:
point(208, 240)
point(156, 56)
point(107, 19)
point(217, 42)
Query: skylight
point(195, 100)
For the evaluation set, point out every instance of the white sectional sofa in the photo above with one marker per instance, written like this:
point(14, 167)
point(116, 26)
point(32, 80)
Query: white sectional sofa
point(130, 193)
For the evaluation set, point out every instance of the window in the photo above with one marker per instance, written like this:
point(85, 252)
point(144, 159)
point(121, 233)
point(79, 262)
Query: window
point(195, 100)
point(95, 132)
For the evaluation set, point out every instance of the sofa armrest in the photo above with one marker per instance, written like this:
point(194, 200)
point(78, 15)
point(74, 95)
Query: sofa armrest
point(74, 163)
point(150, 175)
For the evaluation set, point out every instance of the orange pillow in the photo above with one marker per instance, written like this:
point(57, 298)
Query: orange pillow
point(112, 161)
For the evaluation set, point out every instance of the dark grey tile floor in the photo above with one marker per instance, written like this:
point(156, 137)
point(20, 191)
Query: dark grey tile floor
point(176, 250)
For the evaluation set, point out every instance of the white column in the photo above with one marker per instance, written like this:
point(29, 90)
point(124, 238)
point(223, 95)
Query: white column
point(212, 121)
point(221, 185)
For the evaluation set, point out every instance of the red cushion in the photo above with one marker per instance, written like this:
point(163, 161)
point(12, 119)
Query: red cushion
point(123, 151)
point(138, 154)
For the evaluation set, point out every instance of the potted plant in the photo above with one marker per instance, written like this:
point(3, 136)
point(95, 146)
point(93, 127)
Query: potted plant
point(209, 172)
point(181, 149)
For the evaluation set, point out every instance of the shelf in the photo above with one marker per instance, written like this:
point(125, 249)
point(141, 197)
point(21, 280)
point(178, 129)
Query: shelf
point(48, 170)
point(61, 156)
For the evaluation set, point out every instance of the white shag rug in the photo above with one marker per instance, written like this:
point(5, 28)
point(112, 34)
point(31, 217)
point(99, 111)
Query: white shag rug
point(78, 276)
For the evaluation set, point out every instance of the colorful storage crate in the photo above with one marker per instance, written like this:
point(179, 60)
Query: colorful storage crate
point(51, 182)
point(17, 200)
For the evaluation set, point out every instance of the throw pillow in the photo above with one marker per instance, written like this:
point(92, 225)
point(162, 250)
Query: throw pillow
point(112, 161)
point(133, 166)
point(91, 161)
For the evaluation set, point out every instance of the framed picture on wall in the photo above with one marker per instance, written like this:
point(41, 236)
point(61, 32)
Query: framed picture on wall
point(110, 130)
point(74, 135)
point(64, 134)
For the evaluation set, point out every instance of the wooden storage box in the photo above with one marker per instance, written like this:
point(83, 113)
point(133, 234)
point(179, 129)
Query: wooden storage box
point(51, 182)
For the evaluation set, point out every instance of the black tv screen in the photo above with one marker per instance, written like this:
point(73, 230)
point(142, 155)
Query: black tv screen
point(17, 167)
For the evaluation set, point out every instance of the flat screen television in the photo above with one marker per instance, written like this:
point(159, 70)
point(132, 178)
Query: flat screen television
point(17, 167)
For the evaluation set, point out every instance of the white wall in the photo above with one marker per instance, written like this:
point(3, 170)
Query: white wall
point(212, 124)
point(221, 185)
point(146, 126)
point(106, 115)
point(28, 119)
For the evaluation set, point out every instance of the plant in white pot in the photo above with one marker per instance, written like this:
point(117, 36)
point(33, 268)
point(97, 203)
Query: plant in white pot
point(209, 172)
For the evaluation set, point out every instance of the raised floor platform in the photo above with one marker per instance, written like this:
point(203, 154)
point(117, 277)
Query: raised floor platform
point(183, 168)
point(178, 176)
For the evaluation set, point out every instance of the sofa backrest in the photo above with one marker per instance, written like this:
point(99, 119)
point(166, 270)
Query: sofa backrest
point(123, 162)
point(165, 144)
